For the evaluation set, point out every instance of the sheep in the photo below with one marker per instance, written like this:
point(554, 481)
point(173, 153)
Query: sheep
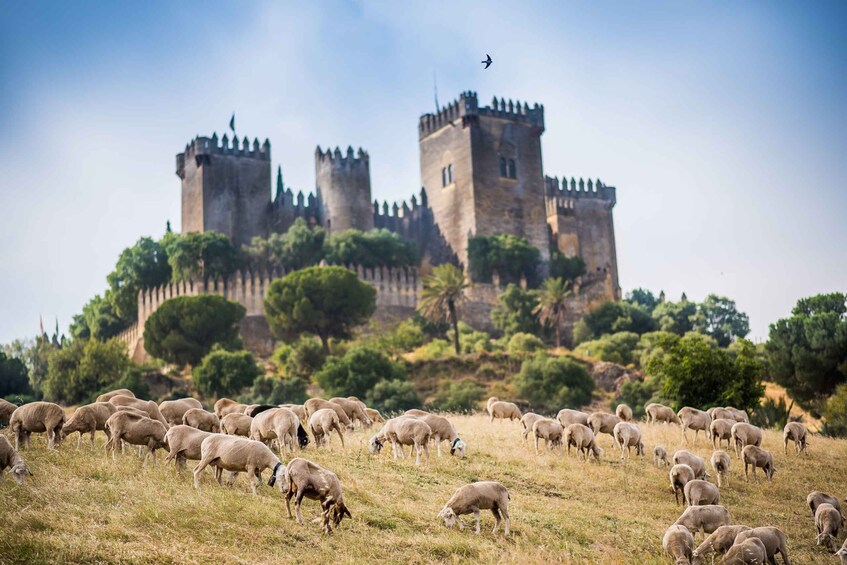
point(226, 406)
point(796, 432)
point(148, 406)
point(37, 417)
point(660, 457)
point(135, 430)
point(696, 463)
point(403, 431)
point(679, 544)
point(310, 480)
point(276, 423)
point(624, 412)
point(816, 498)
point(236, 424)
point(202, 420)
point(173, 410)
point(582, 438)
point(842, 553)
point(6, 409)
point(744, 434)
point(473, 497)
point(704, 519)
point(680, 475)
point(660, 413)
point(87, 420)
point(314, 404)
point(297, 409)
point(603, 423)
point(502, 410)
point(354, 411)
point(550, 431)
point(738, 415)
point(700, 493)
point(828, 521)
point(720, 464)
point(375, 416)
point(751, 551)
point(567, 417)
point(758, 457)
point(527, 420)
point(322, 423)
point(716, 412)
point(626, 436)
point(774, 540)
point(721, 429)
point(443, 430)
point(719, 541)
point(240, 455)
point(11, 459)
point(696, 420)
point(120, 392)
point(184, 443)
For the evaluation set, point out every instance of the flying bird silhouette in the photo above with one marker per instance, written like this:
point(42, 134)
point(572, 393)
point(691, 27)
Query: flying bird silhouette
point(487, 61)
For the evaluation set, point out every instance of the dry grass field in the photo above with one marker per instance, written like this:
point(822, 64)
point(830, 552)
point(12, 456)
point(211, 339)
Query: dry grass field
point(83, 508)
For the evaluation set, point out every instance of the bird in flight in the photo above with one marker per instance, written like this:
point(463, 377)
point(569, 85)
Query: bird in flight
point(487, 61)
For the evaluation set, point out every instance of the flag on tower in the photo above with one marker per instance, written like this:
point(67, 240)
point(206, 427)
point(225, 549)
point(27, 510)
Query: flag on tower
point(232, 123)
point(41, 325)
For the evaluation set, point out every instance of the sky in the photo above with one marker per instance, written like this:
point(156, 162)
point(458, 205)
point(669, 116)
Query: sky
point(723, 125)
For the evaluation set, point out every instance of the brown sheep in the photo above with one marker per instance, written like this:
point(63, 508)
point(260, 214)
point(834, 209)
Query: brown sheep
point(6, 409)
point(603, 423)
point(240, 455)
point(174, 410)
point(624, 412)
point(87, 420)
point(226, 406)
point(567, 417)
point(680, 475)
point(375, 416)
point(660, 457)
point(774, 540)
point(235, 424)
point(816, 498)
point(502, 410)
point(354, 411)
point(202, 420)
point(582, 438)
point(628, 436)
point(120, 392)
point(721, 429)
point(704, 519)
point(310, 480)
point(148, 406)
point(401, 431)
point(720, 464)
point(679, 544)
point(471, 498)
point(11, 459)
point(37, 417)
point(280, 424)
point(660, 413)
point(699, 493)
point(184, 443)
point(758, 457)
point(697, 464)
point(796, 432)
point(828, 522)
point(135, 430)
point(527, 420)
point(322, 423)
point(550, 431)
point(751, 551)
point(696, 420)
point(314, 404)
point(719, 541)
point(744, 434)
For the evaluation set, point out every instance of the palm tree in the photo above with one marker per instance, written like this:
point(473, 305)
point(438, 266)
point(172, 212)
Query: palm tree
point(552, 304)
point(443, 291)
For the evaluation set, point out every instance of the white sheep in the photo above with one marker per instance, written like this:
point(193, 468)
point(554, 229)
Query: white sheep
point(279, 424)
point(697, 464)
point(679, 544)
point(6, 409)
point(147, 406)
point(314, 404)
point(12, 460)
point(297, 409)
point(37, 417)
point(235, 424)
point(582, 438)
point(660, 413)
point(322, 423)
point(184, 443)
point(660, 457)
point(816, 498)
point(527, 420)
point(442, 430)
point(720, 464)
point(202, 420)
point(106, 397)
point(87, 420)
point(402, 431)
point(796, 432)
point(774, 540)
point(226, 406)
point(566, 417)
point(310, 480)
point(174, 410)
point(135, 430)
point(699, 493)
point(603, 423)
point(624, 412)
point(628, 436)
point(704, 519)
point(828, 522)
point(758, 457)
point(680, 475)
point(694, 419)
point(375, 416)
point(721, 429)
point(551, 431)
point(471, 498)
point(719, 541)
point(355, 410)
point(738, 415)
point(502, 410)
point(240, 455)
point(744, 434)
point(751, 551)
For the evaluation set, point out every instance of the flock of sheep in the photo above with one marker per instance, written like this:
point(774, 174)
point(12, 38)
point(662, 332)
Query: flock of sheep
point(238, 438)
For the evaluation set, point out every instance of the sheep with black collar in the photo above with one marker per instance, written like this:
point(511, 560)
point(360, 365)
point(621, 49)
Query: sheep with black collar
point(240, 455)
point(442, 430)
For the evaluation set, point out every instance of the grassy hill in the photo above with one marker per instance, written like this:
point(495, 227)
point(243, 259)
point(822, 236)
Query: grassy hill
point(83, 508)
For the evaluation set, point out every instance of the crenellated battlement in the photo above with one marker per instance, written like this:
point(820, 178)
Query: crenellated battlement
point(402, 210)
point(336, 157)
point(467, 107)
point(201, 147)
point(561, 196)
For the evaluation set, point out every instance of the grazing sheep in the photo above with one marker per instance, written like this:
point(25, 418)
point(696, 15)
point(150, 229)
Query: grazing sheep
point(719, 541)
point(276, 423)
point(184, 443)
point(567, 417)
point(744, 434)
point(704, 519)
point(758, 457)
point(120, 392)
point(11, 459)
point(700, 493)
point(842, 553)
point(550, 431)
point(147, 406)
point(37, 417)
point(696, 463)
point(680, 475)
point(679, 544)
point(828, 521)
point(174, 410)
point(694, 419)
point(375, 416)
point(721, 429)
point(502, 410)
point(624, 412)
point(310, 480)
point(240, 455)
point(603, 423)
point(628, 436)
point(314, 404)
point(816, 498)
point(581, 437)
point(87, 420)
point(135, 430)
point(322, 423)
point(527, 420)
point(6, 409)
point(403, 431)
point(774, 540)
point(202, 420)
point(716, 412)
point(738, 415)
point(226, 406)
point(720, 464)
point(236, 424)
point(660, 413)
point(796, 432)
point(297, 409)
point(471, 498)
point(660, 457)
point(751, 551)
point(443, 430)
point(354, 411)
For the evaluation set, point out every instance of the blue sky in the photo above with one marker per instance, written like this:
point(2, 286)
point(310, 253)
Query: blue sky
point(723, 125)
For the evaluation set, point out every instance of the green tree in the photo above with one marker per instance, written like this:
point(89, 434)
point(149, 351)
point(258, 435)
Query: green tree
point(458, 396)
point(835, 413)
point(393, 396)
point(521, 343)
point(552, 308)
point(357, 372)
point(34, 353)
point(200, 255)
point(718, 317)
point(225, 373)
point(183, 330)
point(14, 377)
point(515, 312)
point(77, 372)
point(444, 291)
point(638, 394)
point(807, 352)
point(301, 246)
point(567, 268)
point(508, 255)
point(617, 348)
point(323, 301)
point(98, 320)
point(675, 317)
point(644, 298)
point(613, 317)
point(374, 248)
point(303, 358)
point(551, 383)
point(144, 265)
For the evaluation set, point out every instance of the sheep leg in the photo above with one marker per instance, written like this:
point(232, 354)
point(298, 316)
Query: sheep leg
point(438, 446)
point(340, 435)
point(49, 439)
point(476, 517)
point(496, 513)
point(297, 502)
point(180, 462)
point(288, 498)
point(199, 469)
point(27, 438)
point(93, 432)
point(417, 448)
point(254, 480)
point(785, 446)
point(536, 445)
point(684, 438)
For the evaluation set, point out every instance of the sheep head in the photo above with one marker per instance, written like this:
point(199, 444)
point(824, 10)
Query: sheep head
point(450, 518)
point(20, 471)
point(279, 474)
point(375, 445)
point(458, 448)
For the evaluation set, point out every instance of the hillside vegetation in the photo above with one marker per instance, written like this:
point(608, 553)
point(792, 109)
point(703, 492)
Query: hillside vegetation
point(83, 508)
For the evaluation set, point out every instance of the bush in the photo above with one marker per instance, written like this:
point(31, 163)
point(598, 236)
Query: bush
point(132, 379)
point(407, 336)
point(275, 390)
point(515, 312)
point(835, 414)
point(14, 377)
point(613, 317)
point(509, 255)
point(374, 248)
point(435, 349)
point(458, 396)
point(638, 394)
point(471, 340)
point(393, 396)
point(553, 382)
point(357, 372)
point(567, 268)
point(78, 371)
point(305, 358)
point(615, 348)
point(773, 415)
point(225, 373)
point(524, 343)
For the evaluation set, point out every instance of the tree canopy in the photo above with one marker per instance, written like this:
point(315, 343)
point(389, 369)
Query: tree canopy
point(144, 265)
point(225, 373)
point(77, 372)
point(14, 377)
point(357, 373)
point(443, 292)
point(718, 317)
point(553, 382)
point(200, 255)
point(515, 312)
point(373, 248)
point(613, 317)
point(508, 255)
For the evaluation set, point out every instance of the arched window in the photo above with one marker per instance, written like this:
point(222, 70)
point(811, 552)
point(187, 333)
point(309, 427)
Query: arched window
point(450, 173)
point(503, 172)
point(443, 176)
point(512, 172)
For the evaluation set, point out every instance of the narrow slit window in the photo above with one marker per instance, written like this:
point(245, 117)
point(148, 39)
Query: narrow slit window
point(502, 166)
point(443, 176)
point(512, 172)
point(450, 173)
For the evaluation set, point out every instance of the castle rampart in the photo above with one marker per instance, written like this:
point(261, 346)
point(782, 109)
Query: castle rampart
point(344, 189)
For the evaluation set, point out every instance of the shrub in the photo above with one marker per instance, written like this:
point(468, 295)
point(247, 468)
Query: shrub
point(638, 394)
point(615, 348)
point(613, 317)
point(835, 414)
point(435, 349)
point(458, 396)
point(405, 337)
point(515, 312)
point(524, 343)
point(553, 382)
point(78, 371)
point(225, 373)
point(276, 390)
point(393, 396)
point(305, 358)
point(357, 372)
point(14, 378)
point(509, 255)
point(471, 340)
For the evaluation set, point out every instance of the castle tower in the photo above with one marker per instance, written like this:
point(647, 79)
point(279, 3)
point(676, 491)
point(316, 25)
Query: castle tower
point(481, 168)
point(344, 189)
point(225, 188)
